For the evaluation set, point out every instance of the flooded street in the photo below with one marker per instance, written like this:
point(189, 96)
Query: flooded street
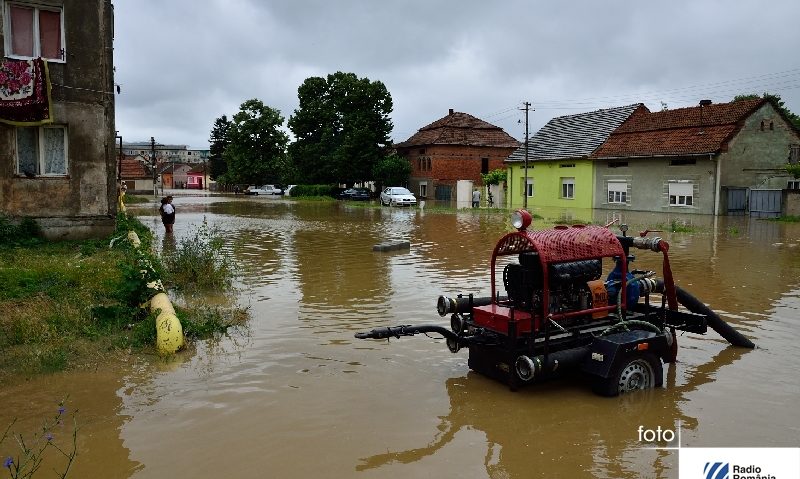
point(294, 395)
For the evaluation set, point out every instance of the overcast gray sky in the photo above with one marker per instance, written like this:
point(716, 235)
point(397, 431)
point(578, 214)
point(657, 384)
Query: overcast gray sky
point(183, 63)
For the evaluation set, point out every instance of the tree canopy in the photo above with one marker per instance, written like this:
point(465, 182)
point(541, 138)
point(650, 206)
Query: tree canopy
point(256, 149)
point(342, 128)
point(392, 170)
point(776, 100)
point(219, 141)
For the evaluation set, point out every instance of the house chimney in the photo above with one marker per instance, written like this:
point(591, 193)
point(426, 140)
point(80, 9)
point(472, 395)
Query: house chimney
point(451, 111)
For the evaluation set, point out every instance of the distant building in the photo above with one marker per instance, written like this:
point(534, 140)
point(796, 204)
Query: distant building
point(57, 159)
point(166, 153)
point(455, 147)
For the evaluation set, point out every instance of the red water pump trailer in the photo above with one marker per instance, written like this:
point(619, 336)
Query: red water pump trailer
point(557, 313)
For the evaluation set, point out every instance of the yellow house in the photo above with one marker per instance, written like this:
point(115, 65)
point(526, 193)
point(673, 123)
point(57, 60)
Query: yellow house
point(558, 171)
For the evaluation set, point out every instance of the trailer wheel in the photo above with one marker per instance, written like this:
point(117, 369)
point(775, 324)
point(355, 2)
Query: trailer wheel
point(638, 371)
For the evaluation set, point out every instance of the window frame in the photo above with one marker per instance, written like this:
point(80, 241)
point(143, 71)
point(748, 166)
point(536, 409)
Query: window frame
point(40, 155)
point(680, 199)
point(794, 154)
point(568, 193)
point(527, 188)
point(37, 46)
point(423, 189)
point(618, 195)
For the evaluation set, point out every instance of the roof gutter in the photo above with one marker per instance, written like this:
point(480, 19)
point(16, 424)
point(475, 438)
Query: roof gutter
point(626, 157)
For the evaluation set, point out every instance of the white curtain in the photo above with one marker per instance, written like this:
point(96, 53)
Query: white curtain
point(55, 160)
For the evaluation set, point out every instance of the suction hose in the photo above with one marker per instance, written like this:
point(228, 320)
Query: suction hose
point(714, 321)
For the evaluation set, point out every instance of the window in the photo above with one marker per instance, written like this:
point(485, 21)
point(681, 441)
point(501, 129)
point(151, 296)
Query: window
point(682, 162)
point(568, 188)
point(681, 194)
point(484, 165)
point(793, 185)
point(423, 189)
point(42, 151)
point(527, 187)
point(34, 31)
point(567, 165)
point(794, 154)
point(617, 192)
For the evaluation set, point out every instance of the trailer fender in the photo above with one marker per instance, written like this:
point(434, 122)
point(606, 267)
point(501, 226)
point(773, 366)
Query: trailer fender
point(606, 353)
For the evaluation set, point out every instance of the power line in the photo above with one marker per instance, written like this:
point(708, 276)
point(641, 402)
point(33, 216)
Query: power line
point(783, 79)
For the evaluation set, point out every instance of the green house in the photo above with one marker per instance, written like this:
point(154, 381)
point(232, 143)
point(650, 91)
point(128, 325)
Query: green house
point(558, 171)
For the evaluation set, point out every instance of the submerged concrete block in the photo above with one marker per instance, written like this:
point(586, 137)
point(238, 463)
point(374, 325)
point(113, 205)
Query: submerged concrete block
point(391, 246)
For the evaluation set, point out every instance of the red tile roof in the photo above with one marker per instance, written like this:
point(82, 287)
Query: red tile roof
point(678, 132)
point(460, 129)
point(131, 168)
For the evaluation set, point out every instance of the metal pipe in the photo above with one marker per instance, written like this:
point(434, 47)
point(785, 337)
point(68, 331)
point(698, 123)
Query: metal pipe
point(529, 368)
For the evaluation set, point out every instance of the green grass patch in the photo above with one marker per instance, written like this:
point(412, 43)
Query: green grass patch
point(676, 226)
point(312, 198)
point(68, 304)
point(784, 219)
point(135, 200)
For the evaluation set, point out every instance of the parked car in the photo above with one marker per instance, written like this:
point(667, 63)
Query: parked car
point(355, 194)
point(397, 196)
point(263, 190)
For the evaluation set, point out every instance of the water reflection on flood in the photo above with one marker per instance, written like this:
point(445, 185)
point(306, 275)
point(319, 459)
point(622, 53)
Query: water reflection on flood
point(294, 395)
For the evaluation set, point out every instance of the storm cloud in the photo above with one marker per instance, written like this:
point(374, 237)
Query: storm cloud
point(180, 64)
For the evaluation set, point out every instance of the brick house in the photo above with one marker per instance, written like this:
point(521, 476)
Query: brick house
point(455, 147)
point(57, 135)
point(725, 158)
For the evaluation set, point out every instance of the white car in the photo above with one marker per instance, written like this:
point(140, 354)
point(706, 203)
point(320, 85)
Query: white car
point(397, 196)
point(263, 190)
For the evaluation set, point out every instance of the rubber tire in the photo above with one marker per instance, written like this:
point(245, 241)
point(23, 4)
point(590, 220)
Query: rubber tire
point(632, 369)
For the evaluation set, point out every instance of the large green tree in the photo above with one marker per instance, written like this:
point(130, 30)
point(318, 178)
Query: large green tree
point(256, 152)
point(341, 128)
point(776, 100)
point(391, 171)
point(218, 141)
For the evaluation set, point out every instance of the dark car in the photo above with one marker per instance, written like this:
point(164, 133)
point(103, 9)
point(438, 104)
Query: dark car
point(355, 194)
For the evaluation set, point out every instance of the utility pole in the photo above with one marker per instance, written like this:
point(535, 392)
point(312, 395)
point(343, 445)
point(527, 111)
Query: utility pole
point(525, 185)
point(153, 164)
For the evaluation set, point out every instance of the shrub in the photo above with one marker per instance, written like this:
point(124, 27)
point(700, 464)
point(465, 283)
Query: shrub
point(199, 261)
point(16, 232)
point(312, 190)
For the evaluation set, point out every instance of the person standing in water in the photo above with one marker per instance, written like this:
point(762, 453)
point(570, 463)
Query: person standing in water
point(167, 213)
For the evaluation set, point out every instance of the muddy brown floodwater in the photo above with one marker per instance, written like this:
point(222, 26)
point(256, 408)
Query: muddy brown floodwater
point(294, 395)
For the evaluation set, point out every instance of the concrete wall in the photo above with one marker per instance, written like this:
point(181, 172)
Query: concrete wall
point(648, 182)
point(790, 203)
point(755, 157)
point(547, 176)
point(82, 203)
